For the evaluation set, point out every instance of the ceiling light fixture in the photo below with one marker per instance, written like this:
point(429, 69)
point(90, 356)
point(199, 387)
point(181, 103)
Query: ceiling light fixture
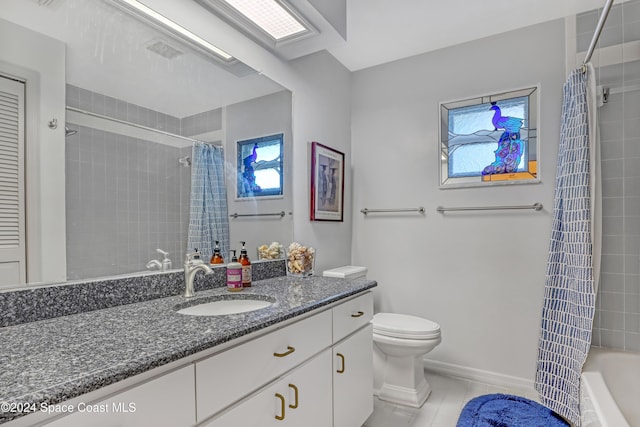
point(271, 16)
point(157, 18)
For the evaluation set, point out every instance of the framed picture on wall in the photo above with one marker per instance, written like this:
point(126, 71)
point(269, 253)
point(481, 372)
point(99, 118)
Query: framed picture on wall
point(327, 183)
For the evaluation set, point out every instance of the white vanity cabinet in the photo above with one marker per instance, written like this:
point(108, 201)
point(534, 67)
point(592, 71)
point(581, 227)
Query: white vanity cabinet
point(337, 340)
point(226, 377)
point(166, 401)
point(353, 362)
point(300, 398)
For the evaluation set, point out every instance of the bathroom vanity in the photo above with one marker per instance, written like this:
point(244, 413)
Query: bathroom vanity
point(304, 360)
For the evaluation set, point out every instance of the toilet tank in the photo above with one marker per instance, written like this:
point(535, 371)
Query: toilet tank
point(346, 272)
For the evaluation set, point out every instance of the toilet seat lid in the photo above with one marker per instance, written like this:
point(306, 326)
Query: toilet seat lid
point(404, 326)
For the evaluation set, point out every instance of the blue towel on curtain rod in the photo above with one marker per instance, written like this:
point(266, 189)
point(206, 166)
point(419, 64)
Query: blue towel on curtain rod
point(208, 216)
point(569, 297)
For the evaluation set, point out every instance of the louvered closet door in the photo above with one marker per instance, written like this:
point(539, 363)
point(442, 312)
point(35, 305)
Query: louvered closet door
point(12, 213)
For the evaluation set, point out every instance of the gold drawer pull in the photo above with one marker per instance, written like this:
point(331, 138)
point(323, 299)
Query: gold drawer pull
point(295, 397)
point(281, 397)
point(358, 314)
point(286, 353)
point(341, 370)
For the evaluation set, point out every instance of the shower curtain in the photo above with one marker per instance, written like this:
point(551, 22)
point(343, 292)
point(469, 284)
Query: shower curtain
point(573, 262)
point(208, 217)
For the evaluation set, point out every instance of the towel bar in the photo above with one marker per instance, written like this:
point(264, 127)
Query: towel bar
point(536, 206)
point(281, 214)
point(418, 209)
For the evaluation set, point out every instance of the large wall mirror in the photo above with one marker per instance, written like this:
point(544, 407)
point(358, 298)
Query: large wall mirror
point(137, 98)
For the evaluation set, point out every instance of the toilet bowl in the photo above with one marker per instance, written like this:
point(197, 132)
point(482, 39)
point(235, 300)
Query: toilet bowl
point(400, 342)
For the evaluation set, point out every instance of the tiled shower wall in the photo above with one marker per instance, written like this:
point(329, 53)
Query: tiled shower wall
point(617, 322)
point(125, 196)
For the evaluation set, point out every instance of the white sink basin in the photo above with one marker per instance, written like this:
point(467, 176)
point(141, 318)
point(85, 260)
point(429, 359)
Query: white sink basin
point(225, 306)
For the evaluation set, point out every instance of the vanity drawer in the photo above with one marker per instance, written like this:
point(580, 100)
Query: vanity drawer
point(229, 376)
point(351, 315)
point(164, 401)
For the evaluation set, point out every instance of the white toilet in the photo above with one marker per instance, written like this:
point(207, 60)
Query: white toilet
point(400, 342)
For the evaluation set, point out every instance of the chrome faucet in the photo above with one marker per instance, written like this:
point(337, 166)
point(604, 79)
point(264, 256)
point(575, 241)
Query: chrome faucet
point(154, 263)
point(165, 265)
point(193, 264)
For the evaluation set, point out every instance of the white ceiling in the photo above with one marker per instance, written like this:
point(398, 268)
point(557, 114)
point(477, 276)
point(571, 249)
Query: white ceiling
point(106, 49)
point(380, 31)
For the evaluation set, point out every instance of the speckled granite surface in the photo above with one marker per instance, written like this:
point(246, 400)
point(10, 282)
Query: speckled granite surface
point(46, 302)
point(61, 358)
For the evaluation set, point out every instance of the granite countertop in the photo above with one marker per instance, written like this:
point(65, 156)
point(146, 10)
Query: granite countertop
point(50, 361)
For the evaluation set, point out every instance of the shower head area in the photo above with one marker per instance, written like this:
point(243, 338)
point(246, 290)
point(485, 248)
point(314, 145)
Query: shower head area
point(69, 132)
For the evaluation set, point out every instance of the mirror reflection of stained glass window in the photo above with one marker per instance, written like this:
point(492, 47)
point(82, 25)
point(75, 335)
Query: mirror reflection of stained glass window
point(490, 139)
point(260, 167)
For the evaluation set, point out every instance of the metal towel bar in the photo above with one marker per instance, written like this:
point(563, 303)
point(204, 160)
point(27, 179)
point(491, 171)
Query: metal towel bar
point(281, 214)
point(418, 209)
point(536, 206)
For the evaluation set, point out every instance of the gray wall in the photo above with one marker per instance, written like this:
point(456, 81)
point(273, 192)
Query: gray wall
point(124, 195)
point(322, 113)
point(263, 116)
point(128, 196)
point(480, 275)
point(617, 321)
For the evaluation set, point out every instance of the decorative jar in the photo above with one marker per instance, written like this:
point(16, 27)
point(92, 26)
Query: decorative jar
point(301, 260)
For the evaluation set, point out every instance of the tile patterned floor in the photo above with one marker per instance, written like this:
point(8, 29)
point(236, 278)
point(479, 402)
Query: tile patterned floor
point(442, 408)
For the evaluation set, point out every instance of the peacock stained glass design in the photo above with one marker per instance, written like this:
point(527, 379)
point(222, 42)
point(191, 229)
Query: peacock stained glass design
point(260, 167)
point(490, 139)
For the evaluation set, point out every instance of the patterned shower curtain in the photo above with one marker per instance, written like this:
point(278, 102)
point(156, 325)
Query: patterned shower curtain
point(570, 288)
point(208, 217)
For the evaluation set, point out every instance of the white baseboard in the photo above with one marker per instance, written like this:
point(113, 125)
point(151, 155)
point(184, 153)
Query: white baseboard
point(478, 375)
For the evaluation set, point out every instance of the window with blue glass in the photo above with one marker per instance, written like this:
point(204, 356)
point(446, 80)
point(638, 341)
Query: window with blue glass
point(260, 166)
point(489, 139)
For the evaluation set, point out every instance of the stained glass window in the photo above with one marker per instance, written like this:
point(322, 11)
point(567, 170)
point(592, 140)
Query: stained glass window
point(489, 139)
point(260, 167)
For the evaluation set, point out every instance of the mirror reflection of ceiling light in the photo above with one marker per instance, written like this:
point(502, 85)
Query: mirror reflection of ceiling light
point(271, 16)
point(157, 18)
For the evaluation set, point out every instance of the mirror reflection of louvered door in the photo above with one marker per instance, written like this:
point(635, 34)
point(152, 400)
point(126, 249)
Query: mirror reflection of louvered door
point(12, 197)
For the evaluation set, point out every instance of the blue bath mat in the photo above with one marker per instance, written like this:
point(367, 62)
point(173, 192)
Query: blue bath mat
point(505, 410)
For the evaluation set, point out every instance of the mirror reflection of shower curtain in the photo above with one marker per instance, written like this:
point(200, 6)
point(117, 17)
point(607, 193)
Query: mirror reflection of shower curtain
point(208, 216)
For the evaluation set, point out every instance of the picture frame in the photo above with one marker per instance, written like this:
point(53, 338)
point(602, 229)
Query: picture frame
point(327, 183)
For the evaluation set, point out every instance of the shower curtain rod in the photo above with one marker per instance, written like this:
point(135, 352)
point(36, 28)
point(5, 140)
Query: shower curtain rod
point(135, 125)
point(596, 34)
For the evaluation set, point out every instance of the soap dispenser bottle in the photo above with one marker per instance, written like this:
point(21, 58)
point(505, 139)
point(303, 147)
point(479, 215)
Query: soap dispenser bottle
point(217, 258)
point(234, 274)
point(246, 267)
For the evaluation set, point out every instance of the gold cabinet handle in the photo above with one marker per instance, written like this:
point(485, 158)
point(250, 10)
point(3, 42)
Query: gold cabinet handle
point(281, 416)
point(286, 353)
point(358, 314)
point(341, 370)
point(295, 397)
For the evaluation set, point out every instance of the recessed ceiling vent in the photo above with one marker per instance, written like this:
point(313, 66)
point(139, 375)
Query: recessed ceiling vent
point(45, 2)
point(163, 49)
